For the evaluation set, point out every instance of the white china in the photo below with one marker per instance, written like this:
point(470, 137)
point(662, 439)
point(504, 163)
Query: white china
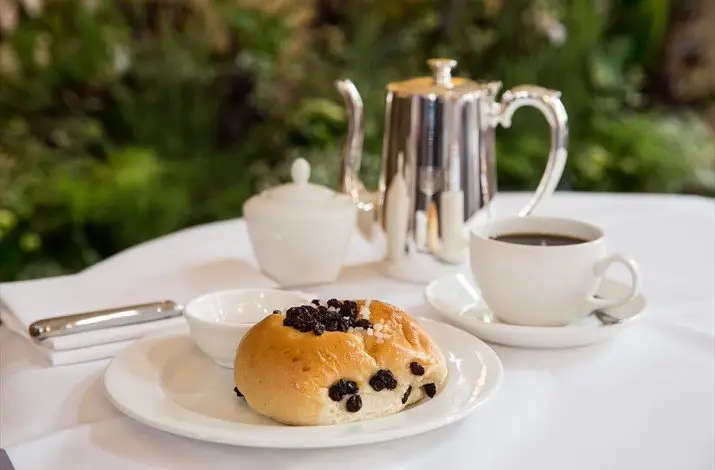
point(165, 383)
point(459, 301)
point(219, 320)
point(300, 231)
point(545, 285)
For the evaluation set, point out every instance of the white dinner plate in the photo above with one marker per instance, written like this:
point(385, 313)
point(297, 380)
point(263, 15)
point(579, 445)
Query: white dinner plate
point(459, 301)
point(166, 382)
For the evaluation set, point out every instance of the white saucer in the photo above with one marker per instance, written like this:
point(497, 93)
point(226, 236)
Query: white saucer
point(457, 299)
point(166, 382)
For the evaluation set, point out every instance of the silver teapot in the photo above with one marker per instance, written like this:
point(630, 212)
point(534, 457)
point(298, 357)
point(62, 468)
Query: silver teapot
point(438, 161)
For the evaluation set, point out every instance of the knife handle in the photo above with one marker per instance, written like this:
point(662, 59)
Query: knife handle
point(100, 319)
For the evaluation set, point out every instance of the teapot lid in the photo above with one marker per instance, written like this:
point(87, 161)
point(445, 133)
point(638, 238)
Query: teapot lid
point(299, 193)
point(441, 82)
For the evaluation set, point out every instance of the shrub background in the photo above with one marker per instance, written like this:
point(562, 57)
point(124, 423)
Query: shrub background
point(124, 120)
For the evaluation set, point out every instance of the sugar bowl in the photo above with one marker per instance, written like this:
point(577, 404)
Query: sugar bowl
point(300, 231)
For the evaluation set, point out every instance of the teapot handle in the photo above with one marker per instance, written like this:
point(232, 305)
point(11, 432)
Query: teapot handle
point(549, 103)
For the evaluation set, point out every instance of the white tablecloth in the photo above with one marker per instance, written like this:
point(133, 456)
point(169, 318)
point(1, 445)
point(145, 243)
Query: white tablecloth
point(645, 400)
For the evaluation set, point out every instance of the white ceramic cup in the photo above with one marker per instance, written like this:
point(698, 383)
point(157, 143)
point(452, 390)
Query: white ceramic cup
point(544, 285)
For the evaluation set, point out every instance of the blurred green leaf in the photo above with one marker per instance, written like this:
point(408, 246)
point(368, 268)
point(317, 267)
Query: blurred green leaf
point(126, 121)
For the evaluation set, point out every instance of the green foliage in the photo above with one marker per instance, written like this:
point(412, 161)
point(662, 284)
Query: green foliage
point(126, 120)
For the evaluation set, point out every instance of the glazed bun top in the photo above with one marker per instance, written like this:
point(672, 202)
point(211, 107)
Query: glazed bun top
point(342, 362)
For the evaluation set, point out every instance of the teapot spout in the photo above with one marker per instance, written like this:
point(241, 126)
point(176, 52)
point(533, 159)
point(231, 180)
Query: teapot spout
point(352, 147)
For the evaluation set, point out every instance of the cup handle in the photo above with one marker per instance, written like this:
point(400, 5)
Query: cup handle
point(549, 103)
point(600, 269)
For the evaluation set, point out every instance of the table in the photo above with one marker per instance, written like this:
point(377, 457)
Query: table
point(645, 400)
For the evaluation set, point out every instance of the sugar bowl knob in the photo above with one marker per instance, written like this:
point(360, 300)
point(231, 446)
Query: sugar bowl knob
point(300, 171)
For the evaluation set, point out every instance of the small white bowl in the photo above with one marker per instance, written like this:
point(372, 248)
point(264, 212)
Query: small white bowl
point(219, 320)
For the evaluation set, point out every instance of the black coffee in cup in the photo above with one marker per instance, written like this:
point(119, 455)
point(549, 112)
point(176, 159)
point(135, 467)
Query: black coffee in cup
point(539, 239)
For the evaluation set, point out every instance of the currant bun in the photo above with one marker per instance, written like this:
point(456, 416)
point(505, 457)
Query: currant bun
point(337, 362)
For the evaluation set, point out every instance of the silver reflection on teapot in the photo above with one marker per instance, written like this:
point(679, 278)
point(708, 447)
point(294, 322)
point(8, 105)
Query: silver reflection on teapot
point(439, 142)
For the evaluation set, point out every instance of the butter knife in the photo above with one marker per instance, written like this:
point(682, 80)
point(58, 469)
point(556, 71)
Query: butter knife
point(107, 318)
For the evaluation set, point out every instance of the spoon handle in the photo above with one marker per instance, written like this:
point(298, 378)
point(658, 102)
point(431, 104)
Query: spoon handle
point(606, 319)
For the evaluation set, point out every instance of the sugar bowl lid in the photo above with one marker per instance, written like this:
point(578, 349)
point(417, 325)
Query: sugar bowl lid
point(299, 195)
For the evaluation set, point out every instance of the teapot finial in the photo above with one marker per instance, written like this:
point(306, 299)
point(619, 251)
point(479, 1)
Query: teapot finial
point(300, 171)
point(442, 70)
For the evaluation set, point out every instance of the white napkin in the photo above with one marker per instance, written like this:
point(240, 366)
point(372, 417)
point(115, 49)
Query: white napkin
point(22, 303)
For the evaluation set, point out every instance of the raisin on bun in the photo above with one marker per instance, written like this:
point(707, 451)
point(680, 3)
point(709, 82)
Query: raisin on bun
point(337, 363)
